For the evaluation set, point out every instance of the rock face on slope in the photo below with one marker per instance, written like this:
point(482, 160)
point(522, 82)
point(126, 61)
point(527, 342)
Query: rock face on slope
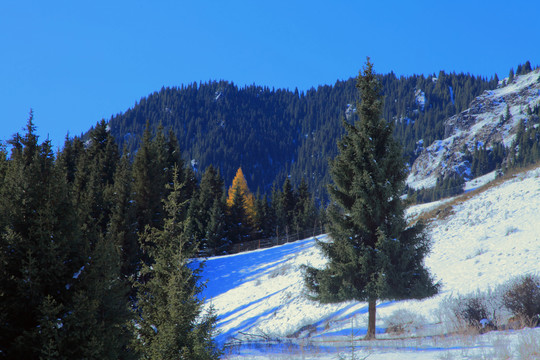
point(492, 118)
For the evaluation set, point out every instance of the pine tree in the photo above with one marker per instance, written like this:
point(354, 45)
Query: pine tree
point(171, 324)
point(216, 235)
point(238, 227)
point(287, 204)
point(373, 255)
point(98, 325)
point(147, 184)
point(305, 210)
point(208, 210)
point(95, 174)
point(40, 247)
point(122, 227)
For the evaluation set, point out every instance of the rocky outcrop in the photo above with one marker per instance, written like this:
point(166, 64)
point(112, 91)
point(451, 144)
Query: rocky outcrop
point(491, 118)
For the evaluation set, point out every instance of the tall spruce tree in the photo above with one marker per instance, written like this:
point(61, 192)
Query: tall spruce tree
point(171, 324)
point(122, 227)
point(374, 255)
point(40, 248)
point(208, 212)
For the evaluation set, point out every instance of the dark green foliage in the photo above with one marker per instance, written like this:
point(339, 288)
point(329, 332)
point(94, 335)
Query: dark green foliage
point(524, 69)
point(169, 325)
point(306, 215)
point(284, 205)
point(40, 245)
point(292, 211)
point(444, 187)
point(215, 235)
point(96, 167)
point(122, 227)
point(511, 76)
point(238, 227)
point(152, 172)
point(486, 160)
point(98, 326)
point(69, 157)
point(148, 184)
point(373, 254)
point(525, 149)
point(208, 211)
point(276, 133)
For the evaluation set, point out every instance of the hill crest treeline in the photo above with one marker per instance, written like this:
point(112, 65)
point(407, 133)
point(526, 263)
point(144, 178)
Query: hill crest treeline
point(273, 134)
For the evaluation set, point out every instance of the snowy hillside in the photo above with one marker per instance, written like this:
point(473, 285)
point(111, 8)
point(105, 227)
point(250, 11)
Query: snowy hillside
point(485, 122)
point(482, 242)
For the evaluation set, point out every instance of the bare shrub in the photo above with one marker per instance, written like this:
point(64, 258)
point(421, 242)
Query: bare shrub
point(404, 321)
point(479, 311)
point(474, 311)
point(447, 315)
point(522, 298)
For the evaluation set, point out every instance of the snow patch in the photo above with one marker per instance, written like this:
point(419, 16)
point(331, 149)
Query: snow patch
point(261, 293)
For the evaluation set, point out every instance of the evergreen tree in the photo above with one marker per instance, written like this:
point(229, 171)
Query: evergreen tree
point(216, 235)
point(147, 184)
point(152, 172)
point(305, 210)
point(266, 216)
point(95, 174)
point(122, 227)
point(171, 324)
point(40, 248)
point(238, 229)
point(373, 255)
point(98, 327)
point(287, 204)
point(209, 210)
point(69, 157)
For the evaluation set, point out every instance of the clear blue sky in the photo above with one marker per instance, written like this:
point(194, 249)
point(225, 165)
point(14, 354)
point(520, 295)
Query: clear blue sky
point(76, 62)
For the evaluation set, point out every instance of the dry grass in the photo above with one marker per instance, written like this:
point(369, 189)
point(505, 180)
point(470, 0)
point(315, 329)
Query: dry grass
point(446, 209)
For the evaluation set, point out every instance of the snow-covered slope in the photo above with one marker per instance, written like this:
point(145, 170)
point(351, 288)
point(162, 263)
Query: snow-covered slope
point(483, 242)
point(485, 122)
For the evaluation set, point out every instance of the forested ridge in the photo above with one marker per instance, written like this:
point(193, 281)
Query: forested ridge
point(276, 133)
point(98, 239)
point(97, 247)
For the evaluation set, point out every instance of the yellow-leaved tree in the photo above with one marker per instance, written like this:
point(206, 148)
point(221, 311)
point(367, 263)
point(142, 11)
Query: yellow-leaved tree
point(240, 188)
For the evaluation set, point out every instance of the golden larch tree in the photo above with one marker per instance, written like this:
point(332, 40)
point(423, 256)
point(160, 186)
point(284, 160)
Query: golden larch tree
point(239, 185)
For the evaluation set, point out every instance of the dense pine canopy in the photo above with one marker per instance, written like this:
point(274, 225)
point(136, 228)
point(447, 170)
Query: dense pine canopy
point(274, 133)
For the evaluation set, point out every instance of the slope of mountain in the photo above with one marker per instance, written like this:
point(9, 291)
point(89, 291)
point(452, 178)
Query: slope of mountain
point(275, 133)
point(491, 118)
point(483, 241)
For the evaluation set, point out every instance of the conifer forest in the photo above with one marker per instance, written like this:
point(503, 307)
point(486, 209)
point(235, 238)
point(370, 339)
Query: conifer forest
point(97, 238)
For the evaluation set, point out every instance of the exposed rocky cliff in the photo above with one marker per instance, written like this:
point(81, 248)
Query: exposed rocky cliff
point(492, 118)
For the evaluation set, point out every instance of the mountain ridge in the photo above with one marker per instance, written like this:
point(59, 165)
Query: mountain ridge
point(274, 134)
point(492, 118)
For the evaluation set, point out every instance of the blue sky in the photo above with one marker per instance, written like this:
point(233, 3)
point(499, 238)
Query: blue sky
point(76, 62)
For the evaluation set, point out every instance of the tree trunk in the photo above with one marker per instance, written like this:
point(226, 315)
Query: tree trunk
point(371, 320)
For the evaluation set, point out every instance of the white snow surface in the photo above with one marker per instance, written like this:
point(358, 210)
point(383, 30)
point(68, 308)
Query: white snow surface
point(480, 124)
point(483, 242)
